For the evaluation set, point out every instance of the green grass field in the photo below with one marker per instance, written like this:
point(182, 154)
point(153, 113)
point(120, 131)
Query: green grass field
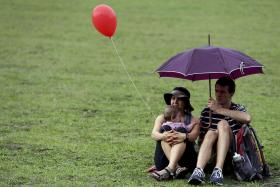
point(68, 112)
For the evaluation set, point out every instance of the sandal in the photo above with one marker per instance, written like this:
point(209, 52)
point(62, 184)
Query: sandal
point(162, 175)
point(181, 172)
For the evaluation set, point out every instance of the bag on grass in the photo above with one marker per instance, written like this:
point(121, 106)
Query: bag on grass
point(248, 159)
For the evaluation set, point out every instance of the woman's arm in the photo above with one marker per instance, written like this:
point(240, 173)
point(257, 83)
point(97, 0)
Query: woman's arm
point(156, 135)
point(179, 137)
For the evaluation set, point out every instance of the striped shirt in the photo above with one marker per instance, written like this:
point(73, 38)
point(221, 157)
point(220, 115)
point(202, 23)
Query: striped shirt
point(234, 125)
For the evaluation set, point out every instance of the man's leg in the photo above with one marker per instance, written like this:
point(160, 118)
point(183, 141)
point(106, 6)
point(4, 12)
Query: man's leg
point(204, 156)
point(206, 147)
point(223, 143)
point(222, 149)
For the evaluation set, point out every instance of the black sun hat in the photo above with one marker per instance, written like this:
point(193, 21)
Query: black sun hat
point(179, 92)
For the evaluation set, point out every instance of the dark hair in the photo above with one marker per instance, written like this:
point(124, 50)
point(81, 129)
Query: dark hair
point(227, 81)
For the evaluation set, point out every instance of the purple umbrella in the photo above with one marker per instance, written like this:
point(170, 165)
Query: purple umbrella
point(209, 63)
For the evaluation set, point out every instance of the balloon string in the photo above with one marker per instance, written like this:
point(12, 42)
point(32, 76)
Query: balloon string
point(125, 69)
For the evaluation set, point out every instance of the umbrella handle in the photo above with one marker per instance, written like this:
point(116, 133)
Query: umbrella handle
point(210, 121)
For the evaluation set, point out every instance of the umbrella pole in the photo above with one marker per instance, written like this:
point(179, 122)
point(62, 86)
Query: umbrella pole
point(209, 87)
point(210, 112)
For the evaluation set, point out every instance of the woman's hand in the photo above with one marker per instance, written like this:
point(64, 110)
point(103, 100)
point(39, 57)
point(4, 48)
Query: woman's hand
point(178, 137)
point(167, 136)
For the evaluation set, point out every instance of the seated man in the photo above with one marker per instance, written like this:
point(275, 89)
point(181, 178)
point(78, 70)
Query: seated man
point(216, 136)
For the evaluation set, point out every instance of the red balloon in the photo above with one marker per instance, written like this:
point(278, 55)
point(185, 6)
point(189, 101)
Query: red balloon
point(104, 19)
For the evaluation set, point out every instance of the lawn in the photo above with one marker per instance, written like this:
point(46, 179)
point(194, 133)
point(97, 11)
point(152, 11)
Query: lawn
point(69, 115)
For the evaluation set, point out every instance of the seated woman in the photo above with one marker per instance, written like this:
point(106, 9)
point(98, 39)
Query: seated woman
point(175, 150)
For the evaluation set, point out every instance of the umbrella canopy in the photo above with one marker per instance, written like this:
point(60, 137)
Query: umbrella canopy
point(209, 63)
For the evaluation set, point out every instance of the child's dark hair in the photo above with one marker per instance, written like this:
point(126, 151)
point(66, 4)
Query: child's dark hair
point(170, 113)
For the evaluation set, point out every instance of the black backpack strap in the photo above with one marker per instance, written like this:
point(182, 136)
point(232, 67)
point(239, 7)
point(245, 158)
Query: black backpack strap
point(188, 118)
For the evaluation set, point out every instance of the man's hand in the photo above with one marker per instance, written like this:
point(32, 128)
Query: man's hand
point(213, 105)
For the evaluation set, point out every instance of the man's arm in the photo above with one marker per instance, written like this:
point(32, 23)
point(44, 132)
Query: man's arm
point(240, 116)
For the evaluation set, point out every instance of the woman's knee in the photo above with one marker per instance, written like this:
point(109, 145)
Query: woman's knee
point(223, 126)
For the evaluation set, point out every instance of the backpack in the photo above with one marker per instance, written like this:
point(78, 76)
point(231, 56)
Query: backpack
point(248, 159)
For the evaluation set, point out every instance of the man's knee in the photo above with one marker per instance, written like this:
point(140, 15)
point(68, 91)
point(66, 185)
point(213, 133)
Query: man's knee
point(223, 127)
point(210, 137)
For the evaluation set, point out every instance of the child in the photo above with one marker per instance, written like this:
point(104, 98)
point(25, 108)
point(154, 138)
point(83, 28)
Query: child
point(172, 118)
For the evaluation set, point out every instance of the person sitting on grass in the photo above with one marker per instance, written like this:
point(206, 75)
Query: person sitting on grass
point(175, 150)
point(227, 119)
